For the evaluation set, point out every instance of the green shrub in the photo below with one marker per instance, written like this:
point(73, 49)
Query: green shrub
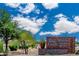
point(33, 45)
point(1, 46)
point(13, 45)
point(25, 46)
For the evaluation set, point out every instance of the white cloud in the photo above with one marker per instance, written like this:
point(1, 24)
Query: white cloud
point(50, 5)
point(28, 8)
point(60, 15)
point(63, 26)
point(40, 22)
point(13, 5)
point(37, 11)
point(76, 19)
point(30, 25)
point(46, 33)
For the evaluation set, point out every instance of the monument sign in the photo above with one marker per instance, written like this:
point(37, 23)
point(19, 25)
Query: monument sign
point(67, 43)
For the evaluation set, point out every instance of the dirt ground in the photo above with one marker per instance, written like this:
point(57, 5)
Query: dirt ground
point(19, 52)
point(31, 52)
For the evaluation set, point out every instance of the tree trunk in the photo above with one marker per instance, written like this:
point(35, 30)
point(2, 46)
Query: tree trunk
point(26, 50)
point(6, 47)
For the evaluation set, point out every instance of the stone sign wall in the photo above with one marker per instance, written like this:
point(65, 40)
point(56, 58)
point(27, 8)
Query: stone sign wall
point(67, 43)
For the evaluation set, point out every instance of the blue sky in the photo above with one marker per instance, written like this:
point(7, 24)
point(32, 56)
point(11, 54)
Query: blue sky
point(44, 20)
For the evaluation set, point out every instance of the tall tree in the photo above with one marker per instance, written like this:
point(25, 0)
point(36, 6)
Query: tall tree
point(8, 29)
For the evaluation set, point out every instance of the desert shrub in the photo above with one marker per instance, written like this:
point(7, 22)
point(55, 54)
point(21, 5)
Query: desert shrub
point(26, 46)
point(23, 44)
point(1, 46)
point(32, 45)
point(42, 44)
point(13, 45)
